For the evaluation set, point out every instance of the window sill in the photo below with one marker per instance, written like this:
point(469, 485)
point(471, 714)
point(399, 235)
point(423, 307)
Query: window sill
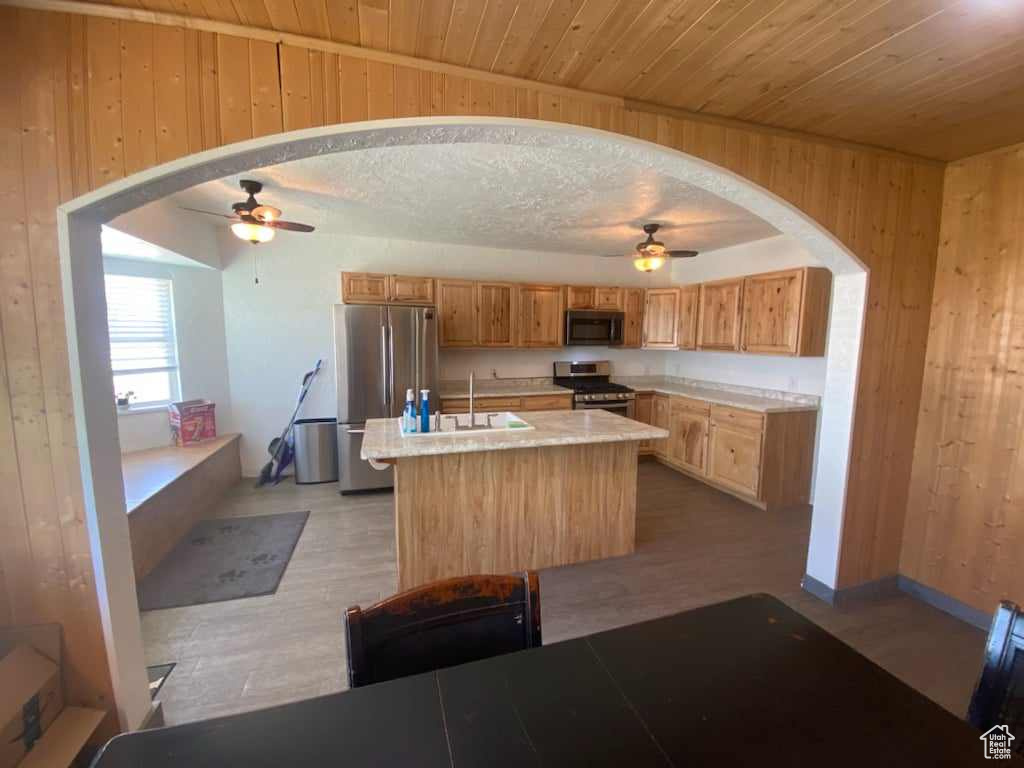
point(136, 409)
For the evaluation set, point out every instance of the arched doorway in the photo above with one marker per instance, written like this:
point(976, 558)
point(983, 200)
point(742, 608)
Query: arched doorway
point(79, 224)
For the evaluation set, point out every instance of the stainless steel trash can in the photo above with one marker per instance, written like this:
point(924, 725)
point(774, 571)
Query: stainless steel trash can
point(316, 451)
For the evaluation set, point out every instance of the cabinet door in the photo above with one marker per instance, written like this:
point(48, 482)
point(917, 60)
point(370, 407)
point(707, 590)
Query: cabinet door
point(735, 458)
point(688, 440)
point(579, 297)
point(660, 417)
point(771, 312)
point(547, 402)
point(456, 307)
point(643, 407)
point(541, 315)
point(364, 288)
point(496, 326)
point(661, 318)
point(718, 326)
point(608, 298)
point(633, 306)
point(403, 289)
point(689, 301)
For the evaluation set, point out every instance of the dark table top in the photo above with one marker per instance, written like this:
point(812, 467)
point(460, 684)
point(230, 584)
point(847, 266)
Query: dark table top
point(745, 682)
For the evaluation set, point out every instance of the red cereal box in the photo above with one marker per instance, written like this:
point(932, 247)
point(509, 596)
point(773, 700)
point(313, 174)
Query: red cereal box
point(192, 421)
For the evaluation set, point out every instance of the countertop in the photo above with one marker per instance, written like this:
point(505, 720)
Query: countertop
point(383, 440)
point(501, 388)
point(763, 401)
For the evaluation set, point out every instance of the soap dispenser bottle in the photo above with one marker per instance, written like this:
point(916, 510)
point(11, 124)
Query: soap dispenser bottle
point(409, 414)
point(424, 410)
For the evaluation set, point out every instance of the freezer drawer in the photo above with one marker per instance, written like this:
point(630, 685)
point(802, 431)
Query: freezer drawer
point(355, 474)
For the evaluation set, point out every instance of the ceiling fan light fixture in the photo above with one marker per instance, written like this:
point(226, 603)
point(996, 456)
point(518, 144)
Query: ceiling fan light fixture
point(648, 263)
point(266, 213)
point(253, 233)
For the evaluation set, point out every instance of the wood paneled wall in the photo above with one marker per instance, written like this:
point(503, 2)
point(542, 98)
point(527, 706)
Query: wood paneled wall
point(964, 529)
point(86, 100)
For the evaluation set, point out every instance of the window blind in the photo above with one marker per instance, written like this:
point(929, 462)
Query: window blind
point(140, 320)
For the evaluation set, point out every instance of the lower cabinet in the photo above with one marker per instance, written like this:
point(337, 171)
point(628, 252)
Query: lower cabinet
point(660, 418)
point(512, 403)
point(762, 458)
point(735, 459)
point(688, 430)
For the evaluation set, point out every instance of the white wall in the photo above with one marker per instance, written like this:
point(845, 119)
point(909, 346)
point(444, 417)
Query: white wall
point(162, 224)
point(792, 374)
point(202, 348)
point(276, 330)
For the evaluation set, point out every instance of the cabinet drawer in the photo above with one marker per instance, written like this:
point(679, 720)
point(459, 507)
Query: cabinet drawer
point(690, 404)
point(737, 418)
point(547, 402)
point(481, 404)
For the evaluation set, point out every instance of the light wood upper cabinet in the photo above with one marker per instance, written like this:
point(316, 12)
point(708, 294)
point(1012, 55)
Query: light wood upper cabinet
point(786, 313)
point(718, 322)
point(688, 439)
point(457, 312)
point(496, 314)
point(689, 302)
point(541, 315)
point(661, 318)
point(608, 299)
point(364, 288)
point(580, 297)
point(633, 306)
point(403, 289)
point(373, 288)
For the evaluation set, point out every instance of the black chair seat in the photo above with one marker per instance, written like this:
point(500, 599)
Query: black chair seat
point(442, 624)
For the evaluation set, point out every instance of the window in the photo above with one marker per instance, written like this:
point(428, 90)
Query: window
point(143, 350)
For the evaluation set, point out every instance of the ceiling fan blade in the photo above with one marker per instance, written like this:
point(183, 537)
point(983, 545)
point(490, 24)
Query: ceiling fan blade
point(617, 256)
point(209, 213)
point(681, 254)
point(291, 226)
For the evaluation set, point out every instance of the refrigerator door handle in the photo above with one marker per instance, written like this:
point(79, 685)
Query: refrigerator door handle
point(384, 380)
point(391, 366)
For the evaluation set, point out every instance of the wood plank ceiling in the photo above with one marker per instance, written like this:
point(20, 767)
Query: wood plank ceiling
point(938, 78)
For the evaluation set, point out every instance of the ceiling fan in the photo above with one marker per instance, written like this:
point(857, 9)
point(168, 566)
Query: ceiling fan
point(651, 254)
point(254, 222)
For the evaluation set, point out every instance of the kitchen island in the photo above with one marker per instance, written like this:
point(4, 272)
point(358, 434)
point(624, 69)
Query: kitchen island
point(561, 492)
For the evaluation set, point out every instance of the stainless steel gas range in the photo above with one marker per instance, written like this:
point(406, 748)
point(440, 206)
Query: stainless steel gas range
point(589, 381)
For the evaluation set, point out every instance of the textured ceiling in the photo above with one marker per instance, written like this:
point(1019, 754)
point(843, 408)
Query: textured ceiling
point(525, 197)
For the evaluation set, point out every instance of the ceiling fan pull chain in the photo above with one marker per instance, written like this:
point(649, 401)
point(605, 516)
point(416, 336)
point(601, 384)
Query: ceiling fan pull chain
point(256, 267)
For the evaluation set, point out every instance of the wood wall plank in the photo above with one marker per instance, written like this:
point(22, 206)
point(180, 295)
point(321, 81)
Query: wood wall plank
point(137, 96)
point(106, 131)
point(265, 87)
point(964, 526)
point(234, 89)
point(296, 90)
point(171, 93)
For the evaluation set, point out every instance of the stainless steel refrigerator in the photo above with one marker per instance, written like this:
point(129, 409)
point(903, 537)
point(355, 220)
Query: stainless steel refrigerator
point(379, 353)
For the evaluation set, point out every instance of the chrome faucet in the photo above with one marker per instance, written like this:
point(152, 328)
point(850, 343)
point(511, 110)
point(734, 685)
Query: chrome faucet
point(472, 410)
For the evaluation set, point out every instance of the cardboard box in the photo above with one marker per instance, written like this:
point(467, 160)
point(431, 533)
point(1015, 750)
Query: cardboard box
point(32, 707)
point(192, 421)
point(30, 700)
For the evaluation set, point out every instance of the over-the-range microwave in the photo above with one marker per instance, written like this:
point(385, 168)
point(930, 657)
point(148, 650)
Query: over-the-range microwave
point(586, 327)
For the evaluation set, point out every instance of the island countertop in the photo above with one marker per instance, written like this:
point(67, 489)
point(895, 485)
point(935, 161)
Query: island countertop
point(383, 440)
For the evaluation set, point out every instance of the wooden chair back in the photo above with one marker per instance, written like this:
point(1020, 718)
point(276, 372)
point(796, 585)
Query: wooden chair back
point(442, 624)
point(999, 696)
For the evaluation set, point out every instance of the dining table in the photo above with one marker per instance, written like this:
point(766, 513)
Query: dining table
point(747, 682)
